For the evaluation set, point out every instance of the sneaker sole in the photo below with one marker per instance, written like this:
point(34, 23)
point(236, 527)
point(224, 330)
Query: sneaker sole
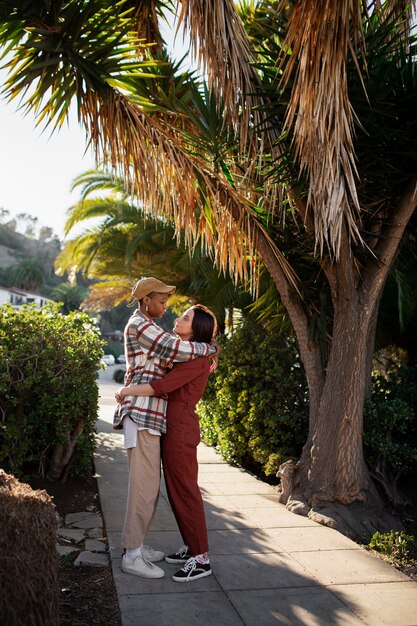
point(191, 578)
point(169, 559)
point(141, 574)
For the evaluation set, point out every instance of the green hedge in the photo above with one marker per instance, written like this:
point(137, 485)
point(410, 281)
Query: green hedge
point(255, 410)
point(390, 427)
point(48, 389)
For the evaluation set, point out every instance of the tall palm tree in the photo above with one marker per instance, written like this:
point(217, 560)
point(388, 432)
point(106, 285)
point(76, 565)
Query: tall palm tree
point(28, 274)
point(122, 245)
point(70, 295)
point(318, 101)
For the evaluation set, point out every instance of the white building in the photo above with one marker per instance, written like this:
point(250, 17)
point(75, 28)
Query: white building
point(17, 297)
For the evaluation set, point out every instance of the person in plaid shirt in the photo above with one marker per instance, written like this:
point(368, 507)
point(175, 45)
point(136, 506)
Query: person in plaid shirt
point(184, 384)
point(149, 351)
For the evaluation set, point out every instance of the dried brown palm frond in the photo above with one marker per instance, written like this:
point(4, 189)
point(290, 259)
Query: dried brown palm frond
point(169, 181)
point(319, 36)
point(106, 295)
point(221, 45)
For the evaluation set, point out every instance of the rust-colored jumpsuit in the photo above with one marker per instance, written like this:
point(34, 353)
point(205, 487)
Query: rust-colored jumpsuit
point(185, 385)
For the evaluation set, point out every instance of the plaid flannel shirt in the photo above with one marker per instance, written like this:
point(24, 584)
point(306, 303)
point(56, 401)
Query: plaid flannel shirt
point(149, 352)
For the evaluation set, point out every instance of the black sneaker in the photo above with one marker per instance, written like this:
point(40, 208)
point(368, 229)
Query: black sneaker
point(181, 556)
point(191, 571)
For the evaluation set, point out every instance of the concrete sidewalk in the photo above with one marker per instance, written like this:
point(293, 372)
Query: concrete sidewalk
point(269, 566)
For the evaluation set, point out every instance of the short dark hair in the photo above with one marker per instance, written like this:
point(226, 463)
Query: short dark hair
point(151, 294)
point(204, 324)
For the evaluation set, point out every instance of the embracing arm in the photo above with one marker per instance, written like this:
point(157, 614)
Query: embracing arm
point(176, 378)
point(134, 390)
point(180, 376)
point(157, 343)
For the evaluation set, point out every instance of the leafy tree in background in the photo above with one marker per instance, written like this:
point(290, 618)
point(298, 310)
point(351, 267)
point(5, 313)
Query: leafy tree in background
point(29, 260)
point(318, 115)
point(69, 295)
point(28, 274)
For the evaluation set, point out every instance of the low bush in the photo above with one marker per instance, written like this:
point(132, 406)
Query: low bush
point(390, 428)
point(254, 410)
point(48, 390)
point(398, 546)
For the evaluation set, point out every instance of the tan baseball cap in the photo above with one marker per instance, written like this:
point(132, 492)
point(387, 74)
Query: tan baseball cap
point(145, 286)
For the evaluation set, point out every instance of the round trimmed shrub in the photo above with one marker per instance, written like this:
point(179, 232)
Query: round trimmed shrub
point(255, 407)
point(48, 389)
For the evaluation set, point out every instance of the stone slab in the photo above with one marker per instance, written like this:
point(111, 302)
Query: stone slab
point(84, 519)
point(205, 454)
point(223, 520)
point(219, 503)
point(260, 571)
point(254, 501)
point(95, 546)
point(128, 584)
point(66, 550)
point(226, 488)
point(72, 534)
point(242, 541)
point(219, 468)
point(95, 533)
point(92, 559)
point(276, 517)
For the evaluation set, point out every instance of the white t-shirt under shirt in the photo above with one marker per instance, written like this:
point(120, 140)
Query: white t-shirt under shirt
point(130, 431)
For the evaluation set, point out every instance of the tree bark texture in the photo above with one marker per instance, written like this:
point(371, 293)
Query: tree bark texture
point(62, 455)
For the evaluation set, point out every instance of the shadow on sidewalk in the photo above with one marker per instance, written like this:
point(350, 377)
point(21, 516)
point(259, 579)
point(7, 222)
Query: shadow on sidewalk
point(255, 580)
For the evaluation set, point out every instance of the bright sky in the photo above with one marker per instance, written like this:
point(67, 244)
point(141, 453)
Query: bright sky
point(37, 170)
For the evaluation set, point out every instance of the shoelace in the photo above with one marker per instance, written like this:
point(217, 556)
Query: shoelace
point(148, 563)
point(142, 559)
point(190, 566)
point(182, 551)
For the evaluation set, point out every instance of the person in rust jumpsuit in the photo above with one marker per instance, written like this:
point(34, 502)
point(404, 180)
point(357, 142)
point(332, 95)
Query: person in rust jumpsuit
point(184, 386)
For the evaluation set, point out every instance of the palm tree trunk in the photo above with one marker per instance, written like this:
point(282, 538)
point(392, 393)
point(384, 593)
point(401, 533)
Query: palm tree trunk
point(334, 460)
point(331, 483)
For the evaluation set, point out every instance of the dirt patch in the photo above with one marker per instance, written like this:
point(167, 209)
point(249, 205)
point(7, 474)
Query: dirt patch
point(87, 595)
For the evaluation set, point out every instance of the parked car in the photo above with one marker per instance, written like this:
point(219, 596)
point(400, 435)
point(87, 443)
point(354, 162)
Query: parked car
point(108, 359)
point(119, 375)
point(121, 359)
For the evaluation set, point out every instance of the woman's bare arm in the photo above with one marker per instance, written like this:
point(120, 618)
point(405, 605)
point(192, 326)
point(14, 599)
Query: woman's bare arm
point(134, 390)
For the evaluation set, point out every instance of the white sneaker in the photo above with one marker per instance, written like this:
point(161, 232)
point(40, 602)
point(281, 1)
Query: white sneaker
point(152, 555)
point(141, 567)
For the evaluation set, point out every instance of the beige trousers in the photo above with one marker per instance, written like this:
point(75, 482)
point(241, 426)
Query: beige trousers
point(143, 489)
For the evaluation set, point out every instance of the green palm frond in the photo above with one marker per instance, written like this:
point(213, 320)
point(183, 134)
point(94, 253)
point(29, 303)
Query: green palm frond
point(63, 53)
point(93, 180)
